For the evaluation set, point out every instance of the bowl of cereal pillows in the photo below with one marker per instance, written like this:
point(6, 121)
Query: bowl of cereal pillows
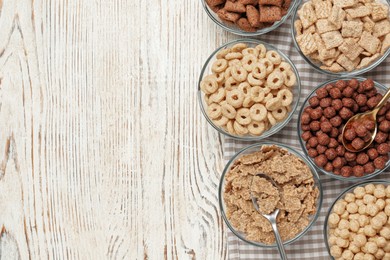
point(342, 37)
point(248, 89)
point(298, 197)
point(357, 225)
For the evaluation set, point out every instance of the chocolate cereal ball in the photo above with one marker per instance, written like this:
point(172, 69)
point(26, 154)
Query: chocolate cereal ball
point(358, 171)
point(337, 104)
point(321, 160)
point(380, 162)
point(349, 134)
point(314, 102)
point(383, 149)
point(384, 126)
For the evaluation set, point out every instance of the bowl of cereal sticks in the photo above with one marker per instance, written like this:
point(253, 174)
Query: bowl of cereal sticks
point(342, 37)
point(249, 17)
point(299, 197)
point(248, 89)
point(357, 225)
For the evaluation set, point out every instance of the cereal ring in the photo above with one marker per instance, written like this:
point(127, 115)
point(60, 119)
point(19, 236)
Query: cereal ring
point(284, 66)
point(207, 99)
point(289, 78)
point(222, 53)
point(239, 73)
point(228, 111)
point(279, 114)
point(235, 98)
point(250, 51)
point(239, 47)
point(266, 90)
point(230, 128)
point(219, 65)
point(253, 80)
point(271, 119)
point(275, 80)
point(243, 116)
point(268, 65)
point(245, 88)
point(259, 71)
point(268, 97)
point(258, 112)
point(221, 121)
point(218, 96)
point(233, 55)
point(273, 104)
point(214, 111)
point(240, 130)
point(257, 94)
point(274, 57)
point(220, 77)
point(231, 83)
point(286, 96)
point(262, 50)
point(256, 128)
point(248, 102)
point(228, 73)
point(209, 84)
point(249, 62)
point(234, 62)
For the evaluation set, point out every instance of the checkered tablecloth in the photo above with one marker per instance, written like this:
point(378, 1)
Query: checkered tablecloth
point(311, 246)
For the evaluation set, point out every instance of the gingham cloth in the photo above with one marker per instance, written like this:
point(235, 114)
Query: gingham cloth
point(311, 245)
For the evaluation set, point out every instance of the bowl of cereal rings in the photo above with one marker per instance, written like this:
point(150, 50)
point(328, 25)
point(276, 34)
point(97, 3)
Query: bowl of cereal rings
point(249, 17)
point(321, 120)
point(357, 225)
point(248, 89)
point(299, 198)
point(342, 38)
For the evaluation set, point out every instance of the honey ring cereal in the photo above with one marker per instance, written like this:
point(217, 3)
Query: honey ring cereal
point(243, 116)
point(257, 94)
point(289, 78)
point(262, 50)
point(230, 128)
point(231, 83)
point(239, 129)
point(275, 80)
point(228, 73)
point(280, 113)
point(266, 90)
point(253, 80)
point(222, 53)
point(234, 62)
point(214, 111)
point(285, 96)
point(256, 128)
point(219, 65)
point(239, 47)
point(233, 55)
point(250, 51)
point(268, 97)
point(221, 121)
point(271, 119)
point(284, 66)
point(258, 112)
point(220, 77)
point(207, 99)
point(235, 98)
point(274, 57)
point(249, 62)
point(218, 96)
point(273, 104)
point(209, 84)
point(259, 71)
point(228, 111)
point(268, 65)
point(245, 88)
point(248, 102)
point(239, 73)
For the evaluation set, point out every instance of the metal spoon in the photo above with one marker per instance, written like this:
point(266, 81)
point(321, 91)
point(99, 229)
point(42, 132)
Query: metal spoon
point(369, 115)
point(271, 217)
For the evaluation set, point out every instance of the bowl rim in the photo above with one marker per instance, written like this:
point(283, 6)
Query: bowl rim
point(303, 147)
point(343, 193)
point(258, 32)
point(290, 150)
point(274, 129)
point(329, 73)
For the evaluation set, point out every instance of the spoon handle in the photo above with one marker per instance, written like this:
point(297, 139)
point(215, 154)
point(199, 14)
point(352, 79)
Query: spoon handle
point(382, 102)
point(279, 242)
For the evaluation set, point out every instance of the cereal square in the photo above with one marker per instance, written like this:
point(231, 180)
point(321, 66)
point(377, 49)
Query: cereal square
point(335, 67)
point(369, 42)
point(307, 43)
point(298, 26)
point(368, 60)
point(385, 44)
point(307, 15)
point(271, 2)
point(332, 39)
point(344, 3)
point(270, 14)
point(368, 24)
point(323, 26)
point(350, 49)
point(310, 29)
point(360, 11)
point(346, 63)
point(381, 28)
point(379, 11)
point(323, 53)
point(352, 29)
point(337, 16)
point(323, 9)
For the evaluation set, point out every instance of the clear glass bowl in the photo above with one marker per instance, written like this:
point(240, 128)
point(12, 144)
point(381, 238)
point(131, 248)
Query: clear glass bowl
point(342, 194)
point(316, 65)
point(254, 148)
point(232, 28)
point(296, 90)
point(381, 89)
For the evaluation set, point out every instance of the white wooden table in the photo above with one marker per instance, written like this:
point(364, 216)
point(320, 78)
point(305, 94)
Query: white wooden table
point(104, 153)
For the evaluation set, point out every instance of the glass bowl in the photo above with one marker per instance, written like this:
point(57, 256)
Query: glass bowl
point(254, 148)
point(316, 65)
point(232, 28)
point(296, 89)
point(381, 89)
point(348, 190)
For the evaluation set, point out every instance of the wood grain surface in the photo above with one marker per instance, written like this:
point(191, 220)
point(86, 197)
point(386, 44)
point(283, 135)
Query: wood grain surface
point(104, 153)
